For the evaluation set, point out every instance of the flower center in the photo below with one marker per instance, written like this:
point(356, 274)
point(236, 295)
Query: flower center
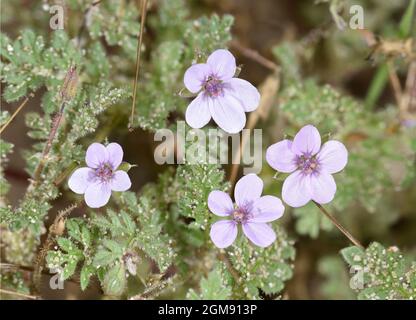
point(213, 86)
point(307, 164)
point(240, 215)
point(104, 172)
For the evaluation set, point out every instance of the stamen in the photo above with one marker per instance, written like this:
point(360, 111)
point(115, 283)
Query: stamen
point(307, 164)
point(104, 172)
point(213, 86)
point(241, 215)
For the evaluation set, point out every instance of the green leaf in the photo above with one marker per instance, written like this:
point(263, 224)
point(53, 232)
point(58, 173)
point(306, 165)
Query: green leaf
point(378, 83)
point(149, 237)
point(353, 255)
point(382, 273)
point(214, 287)
point(405, 26)
point(128, 222)
point(68, 246)
point(72, 225)
point(86, 236)
point(286, 54)
point(115, 247)
point(268, 271)
point(104, 257)
point(86, 272)
point(374, 293)
point(69, 267)
point(115, 280)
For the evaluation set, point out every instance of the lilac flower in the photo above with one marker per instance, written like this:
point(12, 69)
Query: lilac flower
point(310, 164)
point(251, 211)
point(221, 96)
point(101, 176)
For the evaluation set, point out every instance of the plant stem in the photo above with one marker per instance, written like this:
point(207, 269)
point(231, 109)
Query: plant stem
point(395, 82)
point(55, 125)
point(397, 88)
point(56, 229)
point(154, 289)
point(19, 294)
point(84, 22)
point(138, 55)
point(254, 55)
point(411, 88)
point(67, 92)
point(64, 174)
point(14, 114)
point(224, 257)
point(339, 226)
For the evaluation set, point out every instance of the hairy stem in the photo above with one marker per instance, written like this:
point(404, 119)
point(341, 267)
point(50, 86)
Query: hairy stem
point(56, 229)
point(55, 125)
point(224, 257)
point(67, 92)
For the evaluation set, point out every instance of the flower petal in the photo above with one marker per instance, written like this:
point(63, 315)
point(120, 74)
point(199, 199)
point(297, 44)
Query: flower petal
point(195, 76)
point(222, 63)
point(307, 140)
point(267, 209)
point(198, 113)
point(333, 156)
point(296, 190)
point(248, 189)
point(115, 154)
point(280, 156)
point(80, 180)
point(228, 113)
point(323, 187)
point(245, 92)
point(223, 233)
point(97, 194)
point(96, 154)
point(261, 234)
point(121, 181)
point(220, 203)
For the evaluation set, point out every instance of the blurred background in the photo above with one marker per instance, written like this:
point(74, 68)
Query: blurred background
point(306, 40)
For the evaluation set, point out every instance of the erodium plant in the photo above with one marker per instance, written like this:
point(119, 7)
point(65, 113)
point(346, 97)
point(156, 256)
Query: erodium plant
point(114, 228)
point(101, 176)
point(221, 96)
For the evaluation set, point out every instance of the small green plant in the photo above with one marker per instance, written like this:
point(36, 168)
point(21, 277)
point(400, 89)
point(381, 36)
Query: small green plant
point(96, 210)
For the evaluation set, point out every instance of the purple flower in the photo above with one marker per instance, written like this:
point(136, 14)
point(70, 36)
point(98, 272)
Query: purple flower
point(311, 164)
point(101, 176)
point(251, 211)
point(221, 96)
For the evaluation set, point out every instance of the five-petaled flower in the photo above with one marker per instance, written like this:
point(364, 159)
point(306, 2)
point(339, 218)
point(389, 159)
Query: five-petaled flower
point(252, 211)
point(310, 166)
point(221, 96)
point(101, 176)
